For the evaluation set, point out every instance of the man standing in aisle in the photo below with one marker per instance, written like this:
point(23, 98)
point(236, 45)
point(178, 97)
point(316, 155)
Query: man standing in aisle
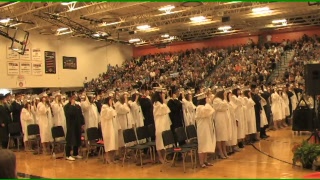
point(4, 121)
point(75, 124)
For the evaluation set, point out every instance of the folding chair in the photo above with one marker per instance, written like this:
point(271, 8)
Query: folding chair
point(181, 136)
point(142, 133)
point(93, 137)
point(15, 134)
point(168, 140)
point(34, 135)
point(192, 134)
point(129, 136)
point(58, 138)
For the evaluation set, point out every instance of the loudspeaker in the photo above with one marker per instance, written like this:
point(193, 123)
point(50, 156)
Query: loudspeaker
point(225, 19)
point(312, 79)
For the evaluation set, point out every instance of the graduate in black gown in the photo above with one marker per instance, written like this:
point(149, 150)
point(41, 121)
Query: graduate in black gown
point(16, 108)
point(257, 108)
point(75, 124)
point(267, 109)
point(4, 121)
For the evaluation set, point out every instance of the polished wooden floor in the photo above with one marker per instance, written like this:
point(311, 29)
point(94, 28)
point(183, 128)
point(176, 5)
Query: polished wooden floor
point(250, 163)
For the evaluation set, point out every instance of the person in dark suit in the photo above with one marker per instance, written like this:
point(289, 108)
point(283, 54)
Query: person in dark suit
point(7, 103)
point(290, 94)
point(16, 108)
point(267, 109)
point(146, 106)
point(4, 121)
point(75, 124)
point(257, 108)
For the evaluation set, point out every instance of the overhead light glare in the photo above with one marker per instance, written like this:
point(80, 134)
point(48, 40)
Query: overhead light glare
point(167, 9)
point(109, 24)
point(262, 10)
point(224, 28)
point(279, 21)
point(67, 3)
point(62, 29)
point(5, 20)
point(134, 40)
point(165, 35)
point(198, 19)
point(143, 27)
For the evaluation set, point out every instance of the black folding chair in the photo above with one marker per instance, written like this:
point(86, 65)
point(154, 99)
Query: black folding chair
point(93, 137)
point(129, 136)
point(192, 134)
point(168, 140)
point(34, 135)
point(58, 138)
point(15, 134)
point(181, 136)
point(142, 133)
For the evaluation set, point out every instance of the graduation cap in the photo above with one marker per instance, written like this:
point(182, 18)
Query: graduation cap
point(200, 96)
point(159, 89)
point(7, 95)
point(44, 94)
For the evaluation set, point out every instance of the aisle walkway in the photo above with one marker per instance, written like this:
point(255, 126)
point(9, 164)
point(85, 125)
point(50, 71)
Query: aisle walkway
point(249, 163)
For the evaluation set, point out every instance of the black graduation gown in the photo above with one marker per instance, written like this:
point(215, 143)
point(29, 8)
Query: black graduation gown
point(267, 108)
point(176, 114)
point(147, 110)
point(290, 94)
point(74, 121)
point(16, 111)
point(99, 106)
point(257, 108)
point(4, 119)
point(8, 110)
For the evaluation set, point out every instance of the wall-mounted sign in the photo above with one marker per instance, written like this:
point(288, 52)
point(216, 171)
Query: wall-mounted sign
point(50, 62)
point(69, 62)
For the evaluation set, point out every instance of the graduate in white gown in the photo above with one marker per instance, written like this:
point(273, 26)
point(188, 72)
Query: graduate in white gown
point(34, 105)
point(109, 127)
point(221, 121)
point(276, 108)
point(26, 119)
point(137, 116)
point(59, 118)
point(45, 122)
point(161, 119)
point(250, 113)
point(189, 109)
point(90, 112)
point(233, 130)
point(122, 108)
point(205, 129)
point(239, 115)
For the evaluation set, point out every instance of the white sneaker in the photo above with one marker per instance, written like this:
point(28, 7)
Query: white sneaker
point(77, 157)
point(70, 158)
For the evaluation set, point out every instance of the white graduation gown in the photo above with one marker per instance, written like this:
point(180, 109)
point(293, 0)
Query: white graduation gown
point(251, 116)
point(26, 119)
point(34, 114)
point(59, 118)
point(162, 122)
point(286, 104)
point(232, 125)
point(294, 101)
point(239, 116)
point(136, 112)
point(45, 122)
point(205, 129)
point(109, 127)
point(263, 116)
point(188, 112)
point(221, 119)
point(276, 106)
point(122, 117)
point(245, 115)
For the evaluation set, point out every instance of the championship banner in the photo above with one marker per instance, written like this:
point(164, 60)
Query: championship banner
point(25, 68)
point(36, 54)
point(37, 69)
point(11, 54)
point(13, 68)
point(26, 55)
point(50, 62)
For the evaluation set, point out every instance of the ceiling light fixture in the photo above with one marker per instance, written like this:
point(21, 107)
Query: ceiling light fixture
point(224, 28)
point(262, 10)
point(165, 35)
point(198, 19)
point(279, 21)
point(134, 40)
point(167, 9)
point(62, 29)
point(67, 3)
point(63, 33)
point(109, 24)
point(143, 27)
point(5, 20)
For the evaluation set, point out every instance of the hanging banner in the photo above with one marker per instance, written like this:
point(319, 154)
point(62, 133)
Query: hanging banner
point(26, 55)
point(12, 54)
point(36, 54)
point(25, 68)
point(13, 68)
point(37, 69)
point(50, 62)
